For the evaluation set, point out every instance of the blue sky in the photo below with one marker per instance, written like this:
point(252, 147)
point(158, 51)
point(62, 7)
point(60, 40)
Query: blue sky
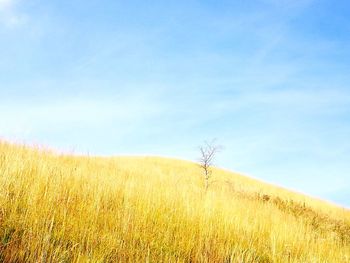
point(269, 79)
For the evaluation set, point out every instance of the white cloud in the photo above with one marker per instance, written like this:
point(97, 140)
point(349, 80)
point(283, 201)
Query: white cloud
point(30, 119)
point(5, 3)
point(9, 16)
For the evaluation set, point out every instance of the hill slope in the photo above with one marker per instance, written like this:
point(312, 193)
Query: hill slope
point(56, 208)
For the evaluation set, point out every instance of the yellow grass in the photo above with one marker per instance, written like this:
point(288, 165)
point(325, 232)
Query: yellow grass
point(56, 208)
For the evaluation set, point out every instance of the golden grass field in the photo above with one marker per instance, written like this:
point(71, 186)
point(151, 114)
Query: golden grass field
point(60, 208)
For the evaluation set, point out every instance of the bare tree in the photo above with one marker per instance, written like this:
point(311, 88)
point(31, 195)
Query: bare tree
point(208, 151)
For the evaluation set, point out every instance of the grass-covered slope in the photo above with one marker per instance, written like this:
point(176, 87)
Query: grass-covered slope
point(84, 209)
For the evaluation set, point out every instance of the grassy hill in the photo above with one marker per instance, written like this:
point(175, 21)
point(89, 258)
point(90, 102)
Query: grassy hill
point(57, 208)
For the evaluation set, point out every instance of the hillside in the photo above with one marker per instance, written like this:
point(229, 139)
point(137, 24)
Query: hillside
point(58, 208)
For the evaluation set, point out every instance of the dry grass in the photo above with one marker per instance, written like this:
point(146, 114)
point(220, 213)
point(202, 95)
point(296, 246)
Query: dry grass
point(57, 208)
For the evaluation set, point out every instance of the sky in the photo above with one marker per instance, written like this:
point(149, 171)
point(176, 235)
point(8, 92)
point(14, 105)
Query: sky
point(269, 79)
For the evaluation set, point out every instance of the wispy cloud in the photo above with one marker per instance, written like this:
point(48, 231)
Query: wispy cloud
point(117, 115)
point(9, 15)
point(5, 3)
